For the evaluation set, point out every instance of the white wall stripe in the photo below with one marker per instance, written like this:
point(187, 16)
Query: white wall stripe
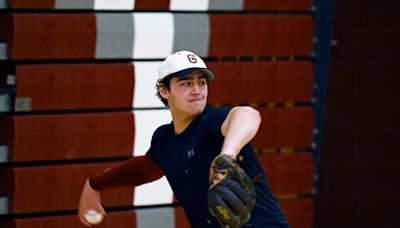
point(146, 75)
point(146, 122)
point(154, 193)
point(198, 5)
point(114, 4)
point(154, 35)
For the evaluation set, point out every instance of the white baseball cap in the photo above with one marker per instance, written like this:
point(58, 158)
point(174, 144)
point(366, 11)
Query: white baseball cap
point(182, 63)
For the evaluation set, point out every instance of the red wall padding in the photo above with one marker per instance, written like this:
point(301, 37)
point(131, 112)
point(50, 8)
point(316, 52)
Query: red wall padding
point(289, 174)
point(180, 218)
point(101, 135)
point(28, 4)
point(73, 36)
point(54, 188)
point(120, 219)
point(69, 136)
point(57, 187)
point(303, 5)
point(101, 86)
point(299, 212)
point(76, 86)
point(152, 4)
point(233, 35)
point(53, 36)
point(285, 127)
point(257, 82)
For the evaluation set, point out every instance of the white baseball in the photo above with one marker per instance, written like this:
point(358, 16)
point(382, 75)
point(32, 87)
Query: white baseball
point(93, 217)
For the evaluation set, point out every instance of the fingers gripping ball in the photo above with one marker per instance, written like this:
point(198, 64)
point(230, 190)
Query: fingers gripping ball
point(231, 195)
point(93, 217)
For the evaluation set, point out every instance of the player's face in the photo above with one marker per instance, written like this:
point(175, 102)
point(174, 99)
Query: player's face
point(188, 95)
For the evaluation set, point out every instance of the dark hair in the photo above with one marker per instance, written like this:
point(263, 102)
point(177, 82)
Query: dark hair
point(165, 82)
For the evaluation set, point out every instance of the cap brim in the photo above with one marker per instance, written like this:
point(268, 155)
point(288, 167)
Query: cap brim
point(209, 73)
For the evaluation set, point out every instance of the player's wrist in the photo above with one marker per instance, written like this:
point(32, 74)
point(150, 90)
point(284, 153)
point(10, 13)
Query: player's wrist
point(230, 152)
point(233, 156)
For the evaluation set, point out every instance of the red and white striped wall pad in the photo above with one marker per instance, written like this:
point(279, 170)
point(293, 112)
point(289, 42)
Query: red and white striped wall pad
point(173, 5)
point(51, 188)
point(152, 35)
point(55, 137)
point(298, 211)
point(46, 87)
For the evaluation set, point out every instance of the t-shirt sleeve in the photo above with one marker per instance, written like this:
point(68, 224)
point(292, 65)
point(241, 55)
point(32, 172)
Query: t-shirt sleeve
point(213, 121)
point(156, 144)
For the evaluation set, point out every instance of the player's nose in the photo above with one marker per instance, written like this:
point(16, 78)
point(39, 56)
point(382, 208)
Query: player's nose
point(196, 88)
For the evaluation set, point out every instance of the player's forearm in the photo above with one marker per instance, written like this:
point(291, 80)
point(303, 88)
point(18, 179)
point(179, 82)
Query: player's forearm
point(241, 126)
point(132, 172)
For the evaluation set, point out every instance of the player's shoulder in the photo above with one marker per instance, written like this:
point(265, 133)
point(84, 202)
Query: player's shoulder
point(216, 110)
point(162, 130)
point(213, 113)
point(158, 142)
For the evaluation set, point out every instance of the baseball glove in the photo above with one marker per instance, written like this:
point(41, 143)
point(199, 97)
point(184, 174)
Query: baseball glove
point(231, 195)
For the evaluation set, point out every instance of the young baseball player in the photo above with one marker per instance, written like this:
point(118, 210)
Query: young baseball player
point(220, 182)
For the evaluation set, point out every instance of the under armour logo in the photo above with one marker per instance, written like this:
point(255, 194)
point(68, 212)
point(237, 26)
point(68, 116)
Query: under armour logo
point(190, 153)
point(192, 58)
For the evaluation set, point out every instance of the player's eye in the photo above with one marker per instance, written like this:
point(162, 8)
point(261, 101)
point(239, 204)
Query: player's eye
point(186, 83)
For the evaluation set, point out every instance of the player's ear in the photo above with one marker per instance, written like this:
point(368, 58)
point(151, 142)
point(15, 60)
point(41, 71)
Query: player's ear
point(163, 91)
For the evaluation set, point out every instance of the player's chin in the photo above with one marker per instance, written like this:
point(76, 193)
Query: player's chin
point(197, 107)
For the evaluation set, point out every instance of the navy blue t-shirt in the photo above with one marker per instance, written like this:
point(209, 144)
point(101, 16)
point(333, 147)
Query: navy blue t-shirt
point(185, 160)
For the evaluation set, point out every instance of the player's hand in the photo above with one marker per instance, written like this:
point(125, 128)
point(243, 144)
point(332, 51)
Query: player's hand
point(89, 201)
point(231, 195)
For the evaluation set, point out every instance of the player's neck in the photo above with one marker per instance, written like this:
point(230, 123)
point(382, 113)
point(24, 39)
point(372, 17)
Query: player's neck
point(181, 123)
